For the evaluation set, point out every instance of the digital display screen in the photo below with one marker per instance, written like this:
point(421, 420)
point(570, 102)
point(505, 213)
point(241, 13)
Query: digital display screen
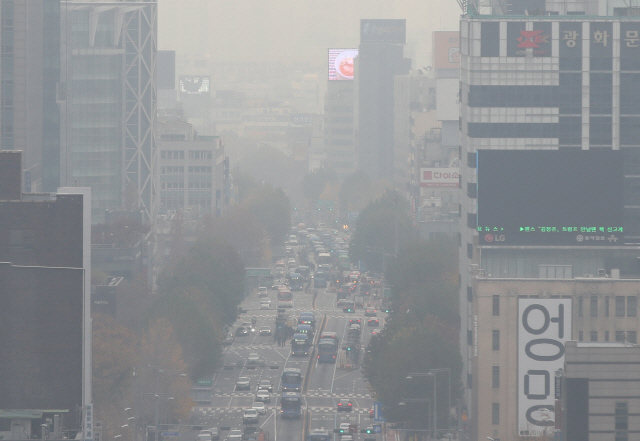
point(194, 85)
point(550, 197)
point(341, 63)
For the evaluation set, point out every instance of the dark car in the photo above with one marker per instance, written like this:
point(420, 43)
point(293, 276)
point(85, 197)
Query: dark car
point(370, 313)
point(373, 322)
point(345, 405)
point(265, 385)
point(354, 321)
point(349, 307)
point(242, 331)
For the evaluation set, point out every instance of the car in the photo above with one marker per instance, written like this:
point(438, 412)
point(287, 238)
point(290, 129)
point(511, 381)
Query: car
point(204, 436)
point(345, 405)
point(235, 435)
point(370, 313)
point(341, 303)
point(215, 433)
point(263, 396)
point(265, 385)
point(243, 383)
point(260, 407)
point(265, 305)
point(375, 332)
point(253, 358)
point(265, 330)
point(349, 307)
point(373, 322)
point(263, 291)
point(247, 325)
point(371, 413)
point(291, 261)
point(346, 437)
point(228, 339)
point(344, 428)
point(355, 321)
point(242, 331)
point(250, 416)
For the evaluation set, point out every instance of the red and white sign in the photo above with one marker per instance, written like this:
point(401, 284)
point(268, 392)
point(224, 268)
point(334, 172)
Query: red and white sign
point(439, 177)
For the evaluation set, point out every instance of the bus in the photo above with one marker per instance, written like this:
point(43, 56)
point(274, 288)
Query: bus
point(291, 405)
point(343, 262)
point(284, 295)
point(291, 380)
point(327, 350)
point(300, 344)
point(319, 435)
point(320, 279)
point(324, 258)
point(295, 282)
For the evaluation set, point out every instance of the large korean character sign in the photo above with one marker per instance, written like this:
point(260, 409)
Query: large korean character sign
point(544, 325)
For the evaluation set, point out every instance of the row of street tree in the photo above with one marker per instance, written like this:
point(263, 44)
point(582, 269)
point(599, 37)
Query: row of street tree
point(421, 330)
point(146, 358)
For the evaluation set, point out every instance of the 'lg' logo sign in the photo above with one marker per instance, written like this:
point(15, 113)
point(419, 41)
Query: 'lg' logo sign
point(492, 238)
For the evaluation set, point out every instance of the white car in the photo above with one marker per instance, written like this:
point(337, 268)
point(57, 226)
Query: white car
point(265, 330)
point(265, 305)
point(263, 396)
point(260, 407)
point(263, 291)
point(250, 416)
point(235, 435)
point(253, 358)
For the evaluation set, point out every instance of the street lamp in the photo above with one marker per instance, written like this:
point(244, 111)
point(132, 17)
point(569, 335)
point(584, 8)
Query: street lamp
point(433, 374)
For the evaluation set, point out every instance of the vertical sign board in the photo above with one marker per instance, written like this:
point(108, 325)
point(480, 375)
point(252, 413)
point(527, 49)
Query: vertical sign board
point(544, 325)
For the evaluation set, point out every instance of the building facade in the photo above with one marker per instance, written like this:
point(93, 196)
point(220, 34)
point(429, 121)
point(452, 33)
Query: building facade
point(566, 82)
point(339, 127)
point(29, 78)
point(506, 382)
point(380, 59)
point(110, 108)
point(192, 171)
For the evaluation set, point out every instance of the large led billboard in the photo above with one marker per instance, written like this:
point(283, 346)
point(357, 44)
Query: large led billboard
point(341, 63)
point(550, 197)
point(194, 85)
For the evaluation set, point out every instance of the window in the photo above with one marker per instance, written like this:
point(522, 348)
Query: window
point(632, 305)
point(606, 306)
point(496, 340)
point(580, 336)
point(495, 377)
point(469, 294)
point(606, 335)
point(469, 337)
point(594, 306)
point(619, 335)
point(619, 306)
point(594, 336)
point(470, 251)
point(495, 413)
point(580, 305)
point(632, 337)
point(622, 421)
point(472, 190)
point(496, 305)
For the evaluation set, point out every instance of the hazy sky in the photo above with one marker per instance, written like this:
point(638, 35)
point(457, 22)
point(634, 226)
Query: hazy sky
point(290, 30)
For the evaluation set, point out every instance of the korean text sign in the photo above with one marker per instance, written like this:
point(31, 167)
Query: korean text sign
point(544, 325)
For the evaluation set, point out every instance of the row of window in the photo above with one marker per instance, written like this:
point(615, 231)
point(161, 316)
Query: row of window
point(192, 185)
point(179, 154)
point(625, 306)
point(193, 170)
point(620, 336)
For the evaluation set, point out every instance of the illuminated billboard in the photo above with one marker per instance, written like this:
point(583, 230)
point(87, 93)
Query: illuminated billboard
point(341, 63)
point(194, 85)
point(550, 197)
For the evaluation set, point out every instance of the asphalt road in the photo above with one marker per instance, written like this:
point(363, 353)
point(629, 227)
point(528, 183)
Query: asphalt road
point(327, 382)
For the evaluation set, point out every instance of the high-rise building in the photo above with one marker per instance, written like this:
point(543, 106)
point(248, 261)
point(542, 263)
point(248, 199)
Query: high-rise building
point(109, 115)
point(29, 77)
point(380, 58)
point(339, 124)
point(549, 119)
